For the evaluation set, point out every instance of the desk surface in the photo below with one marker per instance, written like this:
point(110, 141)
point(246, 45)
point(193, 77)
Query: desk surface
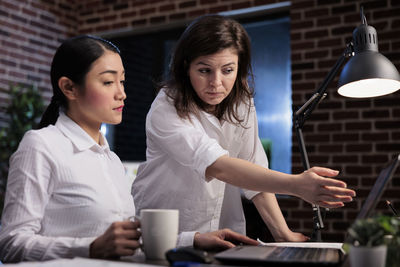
point(134, 261)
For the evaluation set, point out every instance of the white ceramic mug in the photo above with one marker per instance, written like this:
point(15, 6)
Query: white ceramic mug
point(159, 231)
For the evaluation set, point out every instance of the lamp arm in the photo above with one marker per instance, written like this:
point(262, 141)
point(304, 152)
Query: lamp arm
point(300, 117)
point(303, 113)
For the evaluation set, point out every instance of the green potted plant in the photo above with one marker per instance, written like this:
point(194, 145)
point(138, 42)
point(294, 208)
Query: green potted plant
point(391, 226)
point(368, 246)
point(24, 110)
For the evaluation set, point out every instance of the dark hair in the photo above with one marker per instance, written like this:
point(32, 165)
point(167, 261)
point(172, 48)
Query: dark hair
point(73, 59)
point(207, 35)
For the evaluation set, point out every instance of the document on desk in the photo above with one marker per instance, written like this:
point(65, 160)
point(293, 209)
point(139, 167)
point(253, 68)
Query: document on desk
point(303, 244)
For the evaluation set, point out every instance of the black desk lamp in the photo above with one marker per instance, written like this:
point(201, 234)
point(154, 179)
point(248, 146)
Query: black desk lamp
point(367, 74)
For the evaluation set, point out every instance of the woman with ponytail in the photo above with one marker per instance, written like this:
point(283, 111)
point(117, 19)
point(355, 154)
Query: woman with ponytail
point(67, 193)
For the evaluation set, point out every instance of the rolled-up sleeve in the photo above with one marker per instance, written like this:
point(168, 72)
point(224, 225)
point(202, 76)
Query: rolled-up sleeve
point(182, 139)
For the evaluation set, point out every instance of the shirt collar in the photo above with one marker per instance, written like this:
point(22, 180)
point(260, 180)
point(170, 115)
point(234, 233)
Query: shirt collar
point(77, 135)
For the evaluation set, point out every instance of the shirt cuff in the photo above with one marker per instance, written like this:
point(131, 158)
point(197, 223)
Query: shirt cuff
point(54, 249)
point(185, 239)
point(81, 247)
point(249, 194)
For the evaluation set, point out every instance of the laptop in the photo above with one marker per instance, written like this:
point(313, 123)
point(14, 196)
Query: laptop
point(307, 253)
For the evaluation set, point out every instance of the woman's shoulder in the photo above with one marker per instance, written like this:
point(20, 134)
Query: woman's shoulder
point(246, 109)
point(37, 138)
point(247, 104)
point(162, 104)
point(163, 97)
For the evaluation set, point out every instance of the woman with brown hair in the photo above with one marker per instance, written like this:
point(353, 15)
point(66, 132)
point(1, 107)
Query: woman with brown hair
point(203, 145)
point(67, 192)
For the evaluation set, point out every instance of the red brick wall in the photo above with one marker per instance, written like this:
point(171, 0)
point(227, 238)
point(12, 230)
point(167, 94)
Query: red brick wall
point(30, 32)
point(100, 16)
point(356, 137)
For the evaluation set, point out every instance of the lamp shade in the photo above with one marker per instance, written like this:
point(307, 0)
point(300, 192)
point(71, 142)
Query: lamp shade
point(368, 73)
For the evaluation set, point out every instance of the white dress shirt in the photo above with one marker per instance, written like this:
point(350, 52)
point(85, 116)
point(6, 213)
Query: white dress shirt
point(178, 153)
point(64, 190)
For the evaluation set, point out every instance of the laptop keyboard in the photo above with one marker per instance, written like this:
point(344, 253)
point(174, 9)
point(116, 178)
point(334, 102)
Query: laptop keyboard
point(285, 255)
point(293, 254)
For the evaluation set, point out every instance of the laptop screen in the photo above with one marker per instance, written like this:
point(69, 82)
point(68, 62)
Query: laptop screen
point(326, 256)
point(378, 188)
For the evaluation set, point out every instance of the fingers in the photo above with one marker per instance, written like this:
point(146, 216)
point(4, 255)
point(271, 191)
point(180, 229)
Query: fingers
point(137, 224)
point(239, 238)
point(324, 171)
point(330, 202)
point(330, 205)
point(332, 182)
point(294, 237)
point(212, 241)
point(129, 224)
point(125, 248)
point(110, 245)
point(334, 186)
point(131, 234)
point(336, 193)
point(303, 238)
point(221, 244)
point(334, 197)
point(128, 244)
point(123, 234)
point(221, 239)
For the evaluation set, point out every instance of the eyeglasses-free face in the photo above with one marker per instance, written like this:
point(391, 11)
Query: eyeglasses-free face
point(213, 76)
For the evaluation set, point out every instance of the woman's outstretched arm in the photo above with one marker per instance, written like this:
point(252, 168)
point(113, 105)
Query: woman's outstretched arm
point(312, 185)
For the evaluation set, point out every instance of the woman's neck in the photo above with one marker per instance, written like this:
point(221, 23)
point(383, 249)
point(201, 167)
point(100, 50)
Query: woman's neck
point(92, 129)
point(94, 133)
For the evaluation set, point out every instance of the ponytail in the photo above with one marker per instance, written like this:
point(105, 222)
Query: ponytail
point(51, 113)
